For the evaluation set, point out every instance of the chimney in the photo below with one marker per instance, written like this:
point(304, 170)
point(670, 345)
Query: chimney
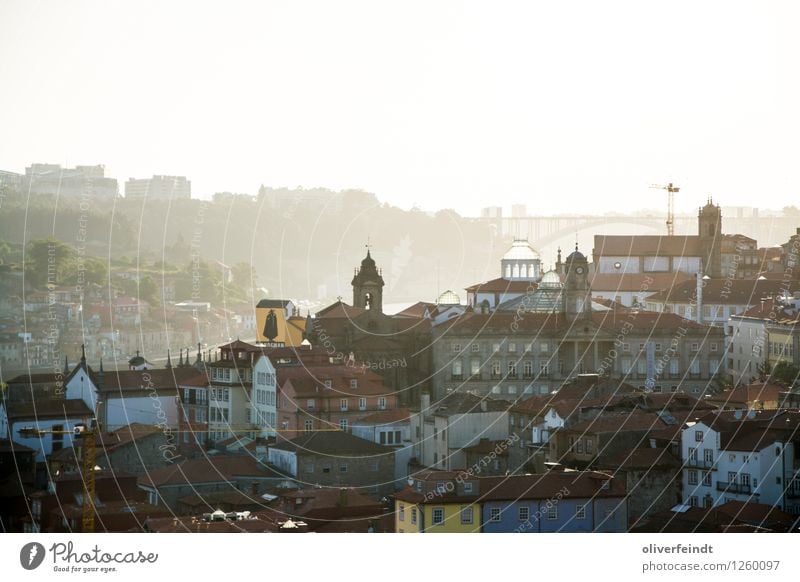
point(343, 497)
point(425, 403)
point(699, 302)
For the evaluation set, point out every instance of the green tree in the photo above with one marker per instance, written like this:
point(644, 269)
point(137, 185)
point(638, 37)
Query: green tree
point(48, 262)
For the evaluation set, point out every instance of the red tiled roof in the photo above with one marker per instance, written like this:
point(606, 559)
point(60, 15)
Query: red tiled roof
point(724, 291)
point(619, 421)
point(638, 282)
point(385, 417)
point(340, 309)
point(216, 469)
point(654, 245)
point(501, 285)
point(743, 395)
point(55, 408)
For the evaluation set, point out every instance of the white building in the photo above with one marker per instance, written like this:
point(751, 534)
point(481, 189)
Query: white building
point(159, 188)
point(262, 408)
point(440, 430)
point(735, 457)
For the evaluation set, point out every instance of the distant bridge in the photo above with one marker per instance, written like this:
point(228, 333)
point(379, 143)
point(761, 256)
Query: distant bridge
point(543, 231)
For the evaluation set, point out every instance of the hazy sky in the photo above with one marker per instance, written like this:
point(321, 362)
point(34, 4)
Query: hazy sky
point(563, 106)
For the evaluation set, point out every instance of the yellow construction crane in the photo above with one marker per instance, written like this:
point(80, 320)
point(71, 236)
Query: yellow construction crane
point(88, 464)
point(671, 189)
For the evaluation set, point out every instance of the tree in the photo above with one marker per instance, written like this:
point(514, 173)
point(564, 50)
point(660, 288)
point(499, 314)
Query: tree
point(786, 373)
point(48, 261)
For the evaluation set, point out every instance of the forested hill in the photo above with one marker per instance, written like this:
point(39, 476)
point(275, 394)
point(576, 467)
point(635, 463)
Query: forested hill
point(299, 244)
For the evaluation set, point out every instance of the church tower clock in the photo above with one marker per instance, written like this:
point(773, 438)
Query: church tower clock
point(577, 292)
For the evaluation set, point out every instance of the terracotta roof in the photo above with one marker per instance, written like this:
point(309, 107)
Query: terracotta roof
point(211, 469)
point(501, 285)
point(385, 417)
point(759, 514)
point(500, 322)
point(637, 282)
point(743, 395)
point(418, 309)
point(340, 309)
point(551, 485)
point(335, 443)
point(653, 245)
point(619, 421)
point(724, 291)
point(161, 379)
point(51, 409)
point(466, 403)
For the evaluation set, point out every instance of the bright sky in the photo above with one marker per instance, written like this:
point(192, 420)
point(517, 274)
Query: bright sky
point(559, 105)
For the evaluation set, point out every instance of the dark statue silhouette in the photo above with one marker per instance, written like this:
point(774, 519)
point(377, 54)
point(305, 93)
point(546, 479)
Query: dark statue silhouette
point(271, 326)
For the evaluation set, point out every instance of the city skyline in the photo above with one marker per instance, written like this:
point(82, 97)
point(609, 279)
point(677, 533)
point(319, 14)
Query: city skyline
point(453, 106)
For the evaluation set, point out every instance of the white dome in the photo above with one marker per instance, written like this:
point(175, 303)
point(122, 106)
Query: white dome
point(448, 298)
point(551, 280)
point(521, 250)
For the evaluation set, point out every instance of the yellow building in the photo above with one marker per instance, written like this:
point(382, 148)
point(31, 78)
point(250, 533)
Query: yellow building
point(438, 502)
point(278, 322)
point(783, 342)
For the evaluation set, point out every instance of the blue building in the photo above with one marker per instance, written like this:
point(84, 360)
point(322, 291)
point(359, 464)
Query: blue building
point(558, 501)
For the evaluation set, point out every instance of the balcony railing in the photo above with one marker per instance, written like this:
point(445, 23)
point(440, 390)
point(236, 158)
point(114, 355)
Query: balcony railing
point(734, 487)
point(701, 464)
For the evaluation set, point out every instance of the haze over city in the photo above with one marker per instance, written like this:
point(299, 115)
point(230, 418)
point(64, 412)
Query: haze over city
point(445, 105)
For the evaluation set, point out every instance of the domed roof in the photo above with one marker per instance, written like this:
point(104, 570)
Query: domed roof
point(368, 261)
point(521, 250)
point(550, 280)
point(576, 255)
point(448, 298)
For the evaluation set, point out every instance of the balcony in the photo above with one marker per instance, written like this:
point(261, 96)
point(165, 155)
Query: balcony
point(457, 377)
point(793, 493)
point(734, 487)
point(701, 464)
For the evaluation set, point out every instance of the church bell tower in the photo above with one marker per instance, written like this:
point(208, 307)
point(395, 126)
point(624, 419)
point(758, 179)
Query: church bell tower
point(368, 286)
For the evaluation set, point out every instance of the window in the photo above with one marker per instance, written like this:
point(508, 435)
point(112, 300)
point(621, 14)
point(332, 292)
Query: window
point(494, 514)
point(707, 479)
point(328, 383)
point(732, 457)
point(708, 456)
point(589, 446)
point(456, 370)
point(413, 516)
point(343, 404)
point(309, 426)
point(401, 512)
point(512, 348)
point(466, 515)
point(354, 383)
point(382, 402)
point(544, 347)
point(693, 501)
point(713, 346)
point(343, 468)
point(524, 513)
point(580, 512)
point(362, 403)
point(552, 513)
point(309, 467)
point(527, 369)
point(310, 404)
point(343, 424)
point(475, 366)
point(695, 346)
point(495, 367)
point(692, 477)
point(512, 369)
point(456, 348)
point(467, 487)
point(438, 515)
point(476, 347)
